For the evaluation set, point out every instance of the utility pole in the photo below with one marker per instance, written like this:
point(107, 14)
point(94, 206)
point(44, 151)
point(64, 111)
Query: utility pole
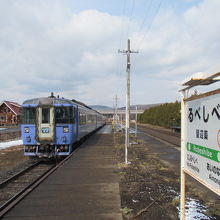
point(116, 109)
point(127, 126)
point(121, 121)
point(113, 121)
point(136, 123)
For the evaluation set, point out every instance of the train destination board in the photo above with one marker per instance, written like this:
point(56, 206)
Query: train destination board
point(202, 150)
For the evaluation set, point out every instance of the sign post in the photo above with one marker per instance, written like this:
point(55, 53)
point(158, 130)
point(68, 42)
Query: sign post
point(182, 173)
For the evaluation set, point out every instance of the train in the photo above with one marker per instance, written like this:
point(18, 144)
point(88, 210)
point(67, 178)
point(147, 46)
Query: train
point(51, 126)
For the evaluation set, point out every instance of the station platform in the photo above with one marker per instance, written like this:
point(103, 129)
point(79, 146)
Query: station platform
point(85, 187)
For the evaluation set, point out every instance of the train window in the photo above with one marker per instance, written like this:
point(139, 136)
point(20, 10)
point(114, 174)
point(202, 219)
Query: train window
point(28, 115)
point(82, 118)
point(64, 115)
point(45, 115)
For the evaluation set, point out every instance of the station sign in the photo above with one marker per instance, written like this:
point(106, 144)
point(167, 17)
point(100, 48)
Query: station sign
point(202, 150)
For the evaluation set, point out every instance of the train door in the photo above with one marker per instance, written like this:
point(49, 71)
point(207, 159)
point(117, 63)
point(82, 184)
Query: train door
point(45, 124)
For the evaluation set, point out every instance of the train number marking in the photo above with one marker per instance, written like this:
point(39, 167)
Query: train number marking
point(45, 130)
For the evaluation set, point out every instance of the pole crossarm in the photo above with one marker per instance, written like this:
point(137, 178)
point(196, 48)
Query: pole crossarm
point(126, 51)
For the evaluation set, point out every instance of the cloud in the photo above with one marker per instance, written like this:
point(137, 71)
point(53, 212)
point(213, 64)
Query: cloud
point(45, 46)
point(45, 53)
point(179, 45)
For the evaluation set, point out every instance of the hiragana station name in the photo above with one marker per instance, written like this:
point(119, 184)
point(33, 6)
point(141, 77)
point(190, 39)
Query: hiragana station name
point(200, 113)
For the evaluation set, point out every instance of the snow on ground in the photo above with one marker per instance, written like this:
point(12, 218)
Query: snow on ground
point(195, 210)
point(8, 144)
point(2, 128)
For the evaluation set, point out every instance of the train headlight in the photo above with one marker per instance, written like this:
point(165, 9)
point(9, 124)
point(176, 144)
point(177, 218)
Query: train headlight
point(65, 129)
point(26, 130)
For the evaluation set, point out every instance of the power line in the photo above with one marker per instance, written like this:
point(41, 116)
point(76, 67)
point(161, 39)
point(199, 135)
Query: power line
point(151, 22)
point(146, 15)
point(130, 17)
point(122, 32)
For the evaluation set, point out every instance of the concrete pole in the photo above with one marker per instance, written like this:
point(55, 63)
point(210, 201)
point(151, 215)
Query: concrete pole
point(121, 121)
point(116, 109)
point(183, 149)
point(127, 129)
point(136, 122)
point(113, 125)
point(127, 124)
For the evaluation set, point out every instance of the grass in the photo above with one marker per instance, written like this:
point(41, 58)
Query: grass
point(126, 210)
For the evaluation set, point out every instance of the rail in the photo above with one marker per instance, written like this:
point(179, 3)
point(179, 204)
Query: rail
point(168, 136)
point(20, 184)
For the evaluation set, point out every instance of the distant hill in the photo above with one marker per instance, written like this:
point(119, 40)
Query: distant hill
point(141, 107)
point(133, 107)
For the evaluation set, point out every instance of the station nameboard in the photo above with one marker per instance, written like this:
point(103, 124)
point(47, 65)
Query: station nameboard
point(202, 150)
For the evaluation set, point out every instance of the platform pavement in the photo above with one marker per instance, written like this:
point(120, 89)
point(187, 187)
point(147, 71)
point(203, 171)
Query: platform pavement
point(85, 187)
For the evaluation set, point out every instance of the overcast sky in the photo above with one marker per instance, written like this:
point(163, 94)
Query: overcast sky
point(71, 47)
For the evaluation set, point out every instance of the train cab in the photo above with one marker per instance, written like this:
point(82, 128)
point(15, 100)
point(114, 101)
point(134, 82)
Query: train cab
point(48, 127)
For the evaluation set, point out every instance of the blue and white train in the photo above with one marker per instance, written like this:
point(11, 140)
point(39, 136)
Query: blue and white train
point(51, 126)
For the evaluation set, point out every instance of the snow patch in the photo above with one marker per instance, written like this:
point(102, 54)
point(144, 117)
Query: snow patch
point(195, 210)
point(8, 144)
point(2, 129)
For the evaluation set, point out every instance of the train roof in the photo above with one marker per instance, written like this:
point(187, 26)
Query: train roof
point(47, 101)
point(52, 100)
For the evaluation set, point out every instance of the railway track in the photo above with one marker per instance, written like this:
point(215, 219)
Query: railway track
point(168, 136)
point(21, 184)
point(15, 186)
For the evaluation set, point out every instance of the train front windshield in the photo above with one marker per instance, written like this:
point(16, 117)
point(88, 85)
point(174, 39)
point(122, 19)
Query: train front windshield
point(64, 115)
point(29, 115)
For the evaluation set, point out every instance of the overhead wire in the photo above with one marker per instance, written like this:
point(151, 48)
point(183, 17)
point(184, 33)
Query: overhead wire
point(150, 23)
point(146, 16)
point(150, 11)
point(127, 28)
point(130, 18)
point(147, 7)
point(128, 15)
point(119, 70)
point(128, 12)
point(122, 19)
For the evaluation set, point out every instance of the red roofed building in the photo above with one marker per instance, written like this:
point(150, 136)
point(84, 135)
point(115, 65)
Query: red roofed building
point(10, 113)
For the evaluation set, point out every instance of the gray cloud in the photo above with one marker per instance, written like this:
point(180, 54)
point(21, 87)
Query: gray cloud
point(45, 47)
